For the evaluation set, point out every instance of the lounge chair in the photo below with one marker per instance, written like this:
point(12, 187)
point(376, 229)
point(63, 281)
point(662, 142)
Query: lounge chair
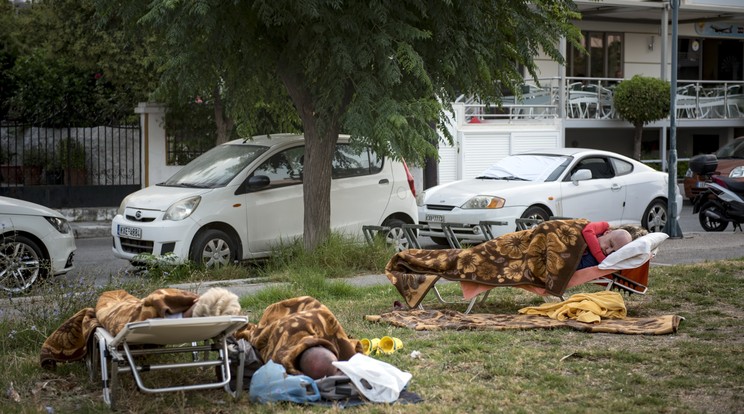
point(625, 270)
point(204, 338)
point(516, 260)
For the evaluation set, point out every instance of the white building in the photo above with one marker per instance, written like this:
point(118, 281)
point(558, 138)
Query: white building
point(572, 105)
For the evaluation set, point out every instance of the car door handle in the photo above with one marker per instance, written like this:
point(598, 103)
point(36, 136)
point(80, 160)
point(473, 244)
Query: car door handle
point(615, 187)
point(384, 181)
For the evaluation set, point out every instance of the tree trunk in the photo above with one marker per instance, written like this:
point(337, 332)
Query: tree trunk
point(223, 123)
point(320, 144)
point(431, 173)
point(317, 190)
point(637, 138)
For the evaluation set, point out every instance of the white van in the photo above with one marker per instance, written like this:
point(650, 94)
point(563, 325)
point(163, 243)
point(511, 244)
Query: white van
point(240, 198)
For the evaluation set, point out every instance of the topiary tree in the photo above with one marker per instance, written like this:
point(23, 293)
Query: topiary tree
point(641, 100)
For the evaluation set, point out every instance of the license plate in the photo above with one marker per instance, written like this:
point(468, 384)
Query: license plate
point(701, 184)
point(438, 218)
point(130, 232)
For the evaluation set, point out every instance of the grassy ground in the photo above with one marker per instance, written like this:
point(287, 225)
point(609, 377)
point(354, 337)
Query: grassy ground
point(699, 369)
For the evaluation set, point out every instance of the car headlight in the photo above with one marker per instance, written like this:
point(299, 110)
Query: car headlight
point(60, 224)
point(182, 209)
point(420, 198)
point(737, 172)
point(484, 202)
point(123, 205)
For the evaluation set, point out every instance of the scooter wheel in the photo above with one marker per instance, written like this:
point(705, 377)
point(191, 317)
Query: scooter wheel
point(709, 223)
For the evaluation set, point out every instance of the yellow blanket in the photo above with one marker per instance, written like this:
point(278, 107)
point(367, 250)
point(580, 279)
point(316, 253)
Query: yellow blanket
point(583, 307)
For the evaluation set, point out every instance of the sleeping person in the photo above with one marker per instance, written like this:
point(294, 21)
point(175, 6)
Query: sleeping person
point(601, 240)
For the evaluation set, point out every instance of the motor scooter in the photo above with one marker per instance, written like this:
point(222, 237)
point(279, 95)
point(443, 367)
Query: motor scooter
point(722, 202)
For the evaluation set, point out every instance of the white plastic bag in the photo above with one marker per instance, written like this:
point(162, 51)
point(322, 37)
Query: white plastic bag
point(378, 381)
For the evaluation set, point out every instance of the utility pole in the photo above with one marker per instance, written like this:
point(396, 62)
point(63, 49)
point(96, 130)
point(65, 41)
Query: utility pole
point(672, 225)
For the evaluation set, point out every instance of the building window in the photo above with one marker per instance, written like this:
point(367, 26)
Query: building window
point(604, 57)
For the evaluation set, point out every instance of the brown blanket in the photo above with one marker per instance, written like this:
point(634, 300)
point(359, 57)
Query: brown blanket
point(114, 310)
point(291, 326)
point(432, 320)
point(545, 256)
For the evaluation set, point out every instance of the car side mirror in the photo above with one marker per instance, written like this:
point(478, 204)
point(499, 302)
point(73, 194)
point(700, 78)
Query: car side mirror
point(254, 183)
point(581, 175)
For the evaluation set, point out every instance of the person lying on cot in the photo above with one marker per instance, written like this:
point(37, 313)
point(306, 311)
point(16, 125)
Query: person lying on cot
point(214, 302)
point(601, 241)
point(303, 335)
point(115, 308)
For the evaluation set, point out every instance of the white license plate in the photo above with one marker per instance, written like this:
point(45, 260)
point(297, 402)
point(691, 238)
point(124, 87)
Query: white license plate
point(130, 232)
point(438, 218)
point(701, 184)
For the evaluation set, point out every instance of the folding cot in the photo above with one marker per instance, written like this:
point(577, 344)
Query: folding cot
point(204, 338)
point(501, 262)
point(625, 270)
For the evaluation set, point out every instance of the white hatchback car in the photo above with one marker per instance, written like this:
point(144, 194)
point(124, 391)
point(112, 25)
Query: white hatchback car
point(239, 199)
point(568, 182)
point(35, 241)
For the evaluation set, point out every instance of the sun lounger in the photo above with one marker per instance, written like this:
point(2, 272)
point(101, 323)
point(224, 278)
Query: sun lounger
point(203, 339)
point(541, 259)
point(625, 270)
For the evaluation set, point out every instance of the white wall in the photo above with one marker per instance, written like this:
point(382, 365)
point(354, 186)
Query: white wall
point(478, 146)
point(152, 122)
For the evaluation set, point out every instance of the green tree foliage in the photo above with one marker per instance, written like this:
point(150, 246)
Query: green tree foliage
point(8, 55)
point(383, 71)
point(641, 100)
point(71, 67)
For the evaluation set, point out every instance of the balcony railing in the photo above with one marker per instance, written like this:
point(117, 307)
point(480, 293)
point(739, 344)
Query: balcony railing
point(592, 99)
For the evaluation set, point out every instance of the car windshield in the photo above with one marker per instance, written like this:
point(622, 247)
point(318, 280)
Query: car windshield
point(531, 167)
point(216, 167)
point(732, 150)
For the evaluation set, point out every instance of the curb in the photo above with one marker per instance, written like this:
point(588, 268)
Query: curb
point(87, 230)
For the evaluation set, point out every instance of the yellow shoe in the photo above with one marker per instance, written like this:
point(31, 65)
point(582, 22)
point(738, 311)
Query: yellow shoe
point(370, 345)
point(389, 344)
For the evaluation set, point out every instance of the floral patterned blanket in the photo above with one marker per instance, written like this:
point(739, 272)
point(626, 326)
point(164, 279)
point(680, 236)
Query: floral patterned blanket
point(436, 320)
point(545, 257)
point(289, 327)
point(113, 311)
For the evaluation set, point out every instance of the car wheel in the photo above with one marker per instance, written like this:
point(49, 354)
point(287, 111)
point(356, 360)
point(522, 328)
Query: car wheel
point(535, 213)
point(709, 223)
point(655, 217)
point(396, 236)
point(213, 248)
point(21, 263)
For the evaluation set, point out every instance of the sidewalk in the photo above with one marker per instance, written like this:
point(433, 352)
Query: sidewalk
point(90, 222)
point(90, 229)
point(243, 287)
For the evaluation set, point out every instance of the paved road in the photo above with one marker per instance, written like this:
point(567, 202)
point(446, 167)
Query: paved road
point(94, 257)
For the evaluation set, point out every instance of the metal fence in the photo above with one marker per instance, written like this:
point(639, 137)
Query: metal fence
point(70, 167)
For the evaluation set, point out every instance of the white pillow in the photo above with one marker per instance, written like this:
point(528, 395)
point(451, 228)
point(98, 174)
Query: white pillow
point(634, 253)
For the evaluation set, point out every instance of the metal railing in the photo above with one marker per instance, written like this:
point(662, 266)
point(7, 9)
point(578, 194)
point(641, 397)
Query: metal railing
point(70, 167)
point(592, 99)
point(69, 156)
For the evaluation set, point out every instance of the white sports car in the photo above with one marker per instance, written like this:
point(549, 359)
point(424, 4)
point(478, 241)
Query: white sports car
point(563, 182)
